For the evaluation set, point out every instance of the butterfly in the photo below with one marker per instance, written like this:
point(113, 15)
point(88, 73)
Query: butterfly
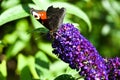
point(51, 19)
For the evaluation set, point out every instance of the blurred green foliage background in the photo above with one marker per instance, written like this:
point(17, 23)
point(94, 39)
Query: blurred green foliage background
point(25, 49)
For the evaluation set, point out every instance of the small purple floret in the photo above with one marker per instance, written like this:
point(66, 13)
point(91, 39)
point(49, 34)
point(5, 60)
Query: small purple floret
point(70, 46)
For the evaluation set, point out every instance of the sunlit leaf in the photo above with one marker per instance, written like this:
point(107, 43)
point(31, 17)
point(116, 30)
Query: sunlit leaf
point(44, 46)
point(56, 67)
point(116, 5)
point(17, 12)
point(22, 62)
point(9, 3)
point(3, 70)
point(13, 14)
point(41, 3)
point(31, 66)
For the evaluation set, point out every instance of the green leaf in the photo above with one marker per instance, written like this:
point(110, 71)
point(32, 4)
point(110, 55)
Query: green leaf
point(40, 30)
point(75, 11)
point(26, 62)
point(65, 77)
point(55, 67)
point(42, 65)
point(25, 74)
point(37, 2)
point(31, 66)
point(43, 46)
point(2, 77)
point(15, 48)
point(41, 60)
point(22, 62)
point(14, 13)
point(3, 70)
point(9, 3)
point(41, 3)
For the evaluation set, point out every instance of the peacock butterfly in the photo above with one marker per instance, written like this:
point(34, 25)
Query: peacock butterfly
point(51, 19)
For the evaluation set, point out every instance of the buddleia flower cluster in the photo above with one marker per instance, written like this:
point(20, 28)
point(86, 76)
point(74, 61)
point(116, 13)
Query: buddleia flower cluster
point(113, 68)
point(73, 48)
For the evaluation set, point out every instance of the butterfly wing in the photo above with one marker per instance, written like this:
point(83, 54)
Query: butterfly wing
point(55, 18)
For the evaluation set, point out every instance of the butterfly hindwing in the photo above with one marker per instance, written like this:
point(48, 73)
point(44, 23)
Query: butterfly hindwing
point(55, 17)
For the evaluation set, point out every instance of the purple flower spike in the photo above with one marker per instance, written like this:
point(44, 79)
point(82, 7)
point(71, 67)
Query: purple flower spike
point(70, 46)
point(113, 66)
